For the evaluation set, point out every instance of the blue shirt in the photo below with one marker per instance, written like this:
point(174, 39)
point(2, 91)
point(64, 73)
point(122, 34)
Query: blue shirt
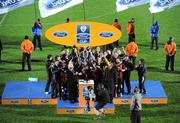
point(154, 30)
point(36, 29)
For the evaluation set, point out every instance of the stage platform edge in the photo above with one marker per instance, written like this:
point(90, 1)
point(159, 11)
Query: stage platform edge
point(65, 107)
point(26, 93)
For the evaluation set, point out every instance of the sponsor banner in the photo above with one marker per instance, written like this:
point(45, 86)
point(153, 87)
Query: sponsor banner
point(9, 5)
point(51, 7)
point(125, 4)
point(83, 34)
point(161, 5)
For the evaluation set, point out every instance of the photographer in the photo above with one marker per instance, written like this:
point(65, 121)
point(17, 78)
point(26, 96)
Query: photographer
point(103, 99)
point(141, 69)
point(48, 63)
point(136, 107)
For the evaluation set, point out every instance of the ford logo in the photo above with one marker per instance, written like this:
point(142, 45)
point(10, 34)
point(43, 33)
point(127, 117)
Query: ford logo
point(106, 34)
point(14, 101)
point(124, 101)
point(70, 110)
point(60, 34)
point(44, 101)
point(154, 101)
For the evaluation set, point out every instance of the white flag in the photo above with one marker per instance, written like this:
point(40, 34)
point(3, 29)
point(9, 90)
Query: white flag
point(50, 7)
point(125, 4)
point(9, 5)
point(161, 5)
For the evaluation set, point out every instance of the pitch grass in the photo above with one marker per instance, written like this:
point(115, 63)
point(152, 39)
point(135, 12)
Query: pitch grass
point(19, 22)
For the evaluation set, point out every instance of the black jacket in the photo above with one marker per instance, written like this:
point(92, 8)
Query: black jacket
point(141, 69)
point(103, 96)
point(110, 78)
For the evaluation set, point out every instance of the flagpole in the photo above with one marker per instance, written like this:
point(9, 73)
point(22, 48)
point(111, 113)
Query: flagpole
point(84, 10)
point(35, 13)
point(152, 18)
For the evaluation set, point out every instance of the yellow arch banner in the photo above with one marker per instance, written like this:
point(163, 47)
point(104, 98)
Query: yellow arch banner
point(83, 34)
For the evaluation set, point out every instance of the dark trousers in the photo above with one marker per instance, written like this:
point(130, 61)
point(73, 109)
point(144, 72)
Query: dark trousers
point(120, 88)
point(133, 60)
point(37, 37)
point(152, 42)
point(135, 116)
point(55, 89)
point(73, 93)
point(141, 85)
point(131, 36)
point(48, 82)
point(126, 78)
point(26, 58)
point(169, 59)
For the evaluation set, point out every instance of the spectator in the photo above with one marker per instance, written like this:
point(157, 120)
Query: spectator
point(27, 48)
point(154, 29)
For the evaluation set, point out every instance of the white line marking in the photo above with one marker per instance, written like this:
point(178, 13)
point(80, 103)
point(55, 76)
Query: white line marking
point(3, 18)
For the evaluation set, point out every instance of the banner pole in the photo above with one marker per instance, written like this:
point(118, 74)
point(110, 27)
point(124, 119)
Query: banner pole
point(152, 18)
point(35, 14)
point(84, 10)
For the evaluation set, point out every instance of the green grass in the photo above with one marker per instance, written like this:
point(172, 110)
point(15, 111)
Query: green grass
point(19, 22)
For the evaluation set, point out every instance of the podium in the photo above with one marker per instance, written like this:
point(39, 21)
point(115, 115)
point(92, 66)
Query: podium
point(83, 92)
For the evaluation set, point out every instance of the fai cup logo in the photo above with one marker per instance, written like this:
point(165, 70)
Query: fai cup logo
point(83, 28)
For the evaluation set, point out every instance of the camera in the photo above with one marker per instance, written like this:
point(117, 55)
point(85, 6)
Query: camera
point(90, 96)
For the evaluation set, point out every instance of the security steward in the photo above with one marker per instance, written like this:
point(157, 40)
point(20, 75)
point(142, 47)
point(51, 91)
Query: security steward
point(132, 51)
point(136, 107)
point(170, 51)
point(131, 29)
point(27, 48)
point(118, 26)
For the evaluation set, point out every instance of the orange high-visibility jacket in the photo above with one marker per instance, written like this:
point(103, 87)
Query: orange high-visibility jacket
point(130, 28)
point(170, 49)
point(132, 49)
point(117, 25)
point(27, 46)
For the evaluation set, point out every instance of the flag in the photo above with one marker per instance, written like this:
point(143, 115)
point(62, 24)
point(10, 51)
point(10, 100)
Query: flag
point(50, 7)
point(9, 5)
point(161, 5)
point(125, 4)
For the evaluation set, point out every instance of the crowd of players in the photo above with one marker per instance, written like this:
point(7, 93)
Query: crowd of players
point(112, 68)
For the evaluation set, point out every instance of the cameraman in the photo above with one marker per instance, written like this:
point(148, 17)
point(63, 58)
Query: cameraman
point(136, 107)
point(103, 99)
point(48, 63)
